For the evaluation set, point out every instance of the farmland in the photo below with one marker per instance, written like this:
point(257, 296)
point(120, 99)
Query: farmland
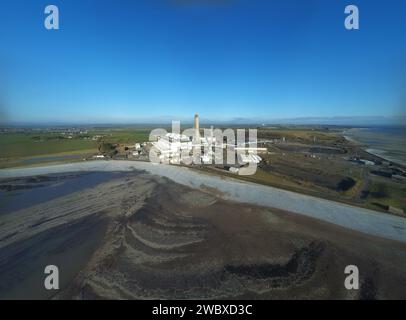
point(28, 146)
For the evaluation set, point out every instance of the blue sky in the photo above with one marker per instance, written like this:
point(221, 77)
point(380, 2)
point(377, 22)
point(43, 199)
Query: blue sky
point(143, 60)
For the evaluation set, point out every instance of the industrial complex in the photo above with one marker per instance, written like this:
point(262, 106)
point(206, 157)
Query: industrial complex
point(213, 147)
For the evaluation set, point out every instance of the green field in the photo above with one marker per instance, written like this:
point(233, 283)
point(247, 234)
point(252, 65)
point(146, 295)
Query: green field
point(20, 145)
point(300, 135)
point(18, 148)
point(385, 192)
point(122, 135)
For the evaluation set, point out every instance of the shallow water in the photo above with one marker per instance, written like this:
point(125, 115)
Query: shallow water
point(69, 247)
point(56, 186)
point(386, 142)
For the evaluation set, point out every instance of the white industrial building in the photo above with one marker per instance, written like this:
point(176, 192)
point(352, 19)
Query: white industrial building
point(249, 158)
point(174, 147)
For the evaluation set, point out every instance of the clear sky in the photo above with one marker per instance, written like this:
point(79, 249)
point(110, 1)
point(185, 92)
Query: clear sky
point(123, 61)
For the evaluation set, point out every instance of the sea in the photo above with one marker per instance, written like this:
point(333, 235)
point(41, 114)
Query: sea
point(387, 142)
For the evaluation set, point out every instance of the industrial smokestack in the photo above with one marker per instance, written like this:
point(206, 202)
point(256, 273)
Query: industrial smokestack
point(197, 129)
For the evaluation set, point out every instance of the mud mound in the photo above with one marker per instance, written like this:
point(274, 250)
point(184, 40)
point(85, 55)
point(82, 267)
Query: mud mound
point(300, 267)
point(171, 248)
point(196, 199)
point(145, 237)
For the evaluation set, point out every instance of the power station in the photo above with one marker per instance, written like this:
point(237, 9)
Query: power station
point(190, 147)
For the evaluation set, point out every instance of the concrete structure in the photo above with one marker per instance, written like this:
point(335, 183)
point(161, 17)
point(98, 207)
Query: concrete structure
point(234, 170)
point(394, 210)
point(175, 148)
point(367, 162)
point(248, 158)
point(196, 138)
point(171, 146)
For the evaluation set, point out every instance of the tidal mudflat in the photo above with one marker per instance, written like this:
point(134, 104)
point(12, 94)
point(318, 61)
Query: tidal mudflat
point(351, 217)
point(141, 236)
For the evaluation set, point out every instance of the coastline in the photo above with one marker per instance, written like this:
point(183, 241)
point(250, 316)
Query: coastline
point(381, 154)
point(347, 216)
point(369, 148)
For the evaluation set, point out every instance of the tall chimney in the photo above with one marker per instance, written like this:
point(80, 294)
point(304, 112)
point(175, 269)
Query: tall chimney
point(197, 129)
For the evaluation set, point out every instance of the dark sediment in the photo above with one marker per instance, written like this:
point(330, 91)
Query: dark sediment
point(144, 237)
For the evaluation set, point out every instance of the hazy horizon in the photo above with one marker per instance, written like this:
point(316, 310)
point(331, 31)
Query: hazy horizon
point(167, 120)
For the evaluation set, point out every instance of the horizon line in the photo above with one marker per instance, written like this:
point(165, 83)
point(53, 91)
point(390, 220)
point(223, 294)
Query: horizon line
point(166, 120)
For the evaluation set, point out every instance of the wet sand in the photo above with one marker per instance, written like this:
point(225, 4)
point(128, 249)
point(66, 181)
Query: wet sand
point(35, 190)
point(385, 142)
point(142, 236)
point(354, 218)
